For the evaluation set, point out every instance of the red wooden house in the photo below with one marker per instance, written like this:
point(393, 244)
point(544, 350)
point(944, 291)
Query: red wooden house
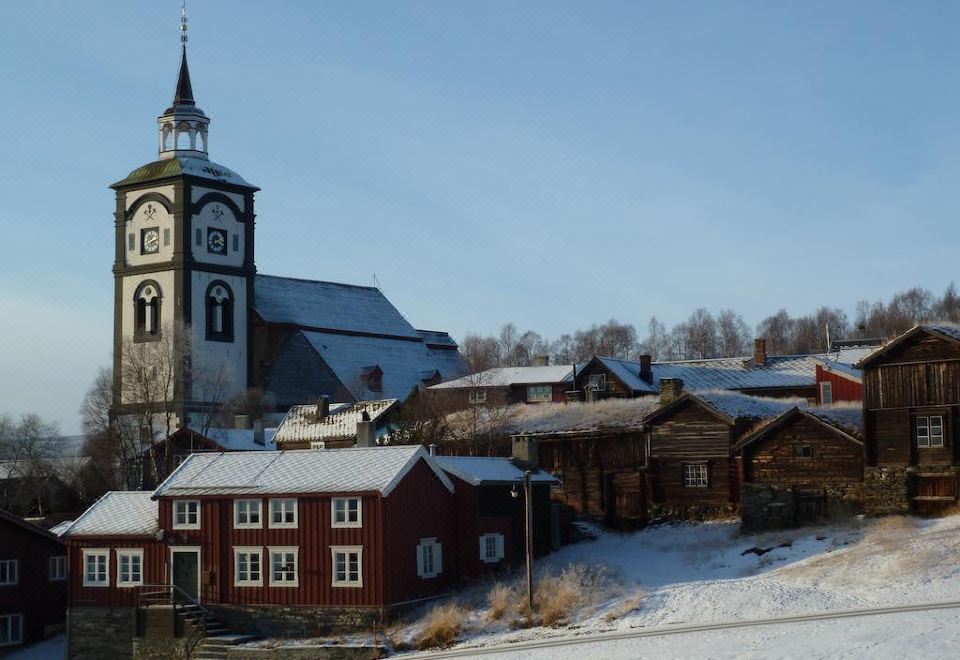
point(33, 585)
point(490, 511)
point(260, 538)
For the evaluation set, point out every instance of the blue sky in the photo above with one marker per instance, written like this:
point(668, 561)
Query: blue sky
point(551, 163)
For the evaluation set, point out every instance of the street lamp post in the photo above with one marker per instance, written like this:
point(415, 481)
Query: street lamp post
point(528, 534)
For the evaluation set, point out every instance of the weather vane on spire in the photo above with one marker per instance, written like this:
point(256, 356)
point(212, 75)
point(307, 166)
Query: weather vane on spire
point(183, 23)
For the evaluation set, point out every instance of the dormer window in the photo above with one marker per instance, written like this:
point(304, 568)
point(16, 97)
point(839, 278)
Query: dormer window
point(219, 302)
point(372, 378)
point(146, 319)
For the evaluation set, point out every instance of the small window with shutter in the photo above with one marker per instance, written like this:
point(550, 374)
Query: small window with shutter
point(429, 558)
point(491, 548)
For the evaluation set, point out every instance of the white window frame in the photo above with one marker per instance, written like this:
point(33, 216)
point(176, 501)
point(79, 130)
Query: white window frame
point(97, 552)
point(185, 505)
point(544, 393)
point(928, 440)
point(346, 550)
point(247, 502)
point(346, 522)
point(16, 634)
point(696, 475)
point(57, 570)
point(432, 549)
point(318, 444)
point(488, 541)
point(247, 550)
point(282, 502)
point(477, 397)
point(278, 550)
point(12, 571)
point(826, 393)
point(129, 553)
point(597, 382)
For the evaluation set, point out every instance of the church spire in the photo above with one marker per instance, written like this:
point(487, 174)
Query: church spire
point(183, 126)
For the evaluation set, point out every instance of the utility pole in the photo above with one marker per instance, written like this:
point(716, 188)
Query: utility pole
point(528, 505)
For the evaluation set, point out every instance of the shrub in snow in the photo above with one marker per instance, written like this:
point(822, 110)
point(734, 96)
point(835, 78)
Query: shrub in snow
point(441, 626)
point(501, 597)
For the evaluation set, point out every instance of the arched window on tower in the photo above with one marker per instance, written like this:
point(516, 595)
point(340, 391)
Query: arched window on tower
point(146, 317)
point(219, 301)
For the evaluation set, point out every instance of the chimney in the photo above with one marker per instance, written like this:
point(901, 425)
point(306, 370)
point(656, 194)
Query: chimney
point(759, 351)
point(241, 421)
point(525, 452)
point(540, 361)
point(366, 434)
point(670, 389)
point(258, 435)
point(433, 449)
point(323, 407)
point(646, 368)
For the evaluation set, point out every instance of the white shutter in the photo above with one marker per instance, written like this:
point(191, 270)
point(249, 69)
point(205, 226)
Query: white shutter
point(483, 549)
point(437, 558)
point(419, 561)
point(499, 546)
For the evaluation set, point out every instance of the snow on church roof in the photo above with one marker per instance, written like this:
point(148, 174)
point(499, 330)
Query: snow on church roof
point(355, 470)
point(329, 306)
point(405, 364)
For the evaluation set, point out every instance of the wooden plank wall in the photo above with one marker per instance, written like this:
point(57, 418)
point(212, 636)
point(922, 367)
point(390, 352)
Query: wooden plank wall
point(773, 461)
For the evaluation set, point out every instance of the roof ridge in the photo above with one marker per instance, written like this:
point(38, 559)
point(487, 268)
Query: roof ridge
point(303, 279)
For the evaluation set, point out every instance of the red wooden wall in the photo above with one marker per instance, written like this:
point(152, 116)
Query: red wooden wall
point(843, 389)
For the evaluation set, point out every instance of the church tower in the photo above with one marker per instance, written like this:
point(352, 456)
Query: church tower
point(184, 271)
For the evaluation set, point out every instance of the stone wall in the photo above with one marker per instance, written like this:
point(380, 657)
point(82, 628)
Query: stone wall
point(305, 652)
point(886, 490)
point(772, 507)
point(280, 621)
point(699, 513)
point(94, 633)
point(158, 648)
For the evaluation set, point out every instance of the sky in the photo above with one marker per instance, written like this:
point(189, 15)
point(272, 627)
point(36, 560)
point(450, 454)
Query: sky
point(553, 163)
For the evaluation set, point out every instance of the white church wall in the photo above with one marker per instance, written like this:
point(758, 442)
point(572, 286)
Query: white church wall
point(199, 191)
point(219, 216)
point(150, 215)
point(213, 356)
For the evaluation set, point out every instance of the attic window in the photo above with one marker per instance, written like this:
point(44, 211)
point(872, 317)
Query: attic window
point(803, 451)
point(372, 378)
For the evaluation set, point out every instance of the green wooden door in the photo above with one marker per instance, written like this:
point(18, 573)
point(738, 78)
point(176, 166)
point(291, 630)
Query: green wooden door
point(186, 573)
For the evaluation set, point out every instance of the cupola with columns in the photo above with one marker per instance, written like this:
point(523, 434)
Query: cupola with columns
point(183, 126)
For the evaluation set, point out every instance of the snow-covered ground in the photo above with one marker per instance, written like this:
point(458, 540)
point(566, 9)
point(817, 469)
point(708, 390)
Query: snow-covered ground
point(51, 649)
point(691, 574)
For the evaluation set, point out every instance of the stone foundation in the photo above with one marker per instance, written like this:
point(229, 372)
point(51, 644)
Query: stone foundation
point(305, 652)
point(689, 513)
point(781, 507)
point(94, 633)
point(158, 648)
point(886, 490)
point(304, 622)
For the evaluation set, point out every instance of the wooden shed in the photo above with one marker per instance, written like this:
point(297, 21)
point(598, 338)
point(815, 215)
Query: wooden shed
point(803, 465)
point(33, 585)
point(911, 392)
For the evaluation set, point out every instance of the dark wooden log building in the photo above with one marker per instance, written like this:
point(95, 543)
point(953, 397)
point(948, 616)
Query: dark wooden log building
point(803, 465)
point(911, 391)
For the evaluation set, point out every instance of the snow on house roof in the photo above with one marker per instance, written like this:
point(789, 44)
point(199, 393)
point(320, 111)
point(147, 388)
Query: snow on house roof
point(301, 423)
point(553, 418)
point(60, 527)
point(329, 306)
point(479, 470)
point(846, 416)
point(118, 513)
point(844, 369)
point(951, 330)
point(737, 405)
point(504, 376)
point(355, 470)
point(404, 363)
point(14, 519)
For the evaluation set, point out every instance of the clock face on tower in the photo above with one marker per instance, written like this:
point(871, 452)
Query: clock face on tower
point(216, 241)
point(149, 240)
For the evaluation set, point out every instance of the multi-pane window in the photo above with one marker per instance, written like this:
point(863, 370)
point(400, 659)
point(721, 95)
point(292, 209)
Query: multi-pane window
point(478, 397)
point(695, 475)
point(248, 567)
point(283, 567)
point(9, 572)
point(429, 558)
point(930, 431)
point(598, 382)
point(346, 566)
point(96, 568)
point(246, 513)
point(539, 393)
point(803, 451)
point(58, 568)
point(491, 548)
point(826, 393)
point(346, 512)
point(129, 568)
point(283, 513)
point(11, 629)
point(186, 514)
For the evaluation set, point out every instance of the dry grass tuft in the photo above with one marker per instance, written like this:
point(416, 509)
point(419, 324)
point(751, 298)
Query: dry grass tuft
point(625, 606)
point(888, 532)
point(559, 597)
point(441, 627)
point(500, 597)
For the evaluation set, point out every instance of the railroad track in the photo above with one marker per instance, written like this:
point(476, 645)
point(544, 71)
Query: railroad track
point(590, 638)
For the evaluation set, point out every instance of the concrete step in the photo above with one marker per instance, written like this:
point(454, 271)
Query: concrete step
point(224, 640)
